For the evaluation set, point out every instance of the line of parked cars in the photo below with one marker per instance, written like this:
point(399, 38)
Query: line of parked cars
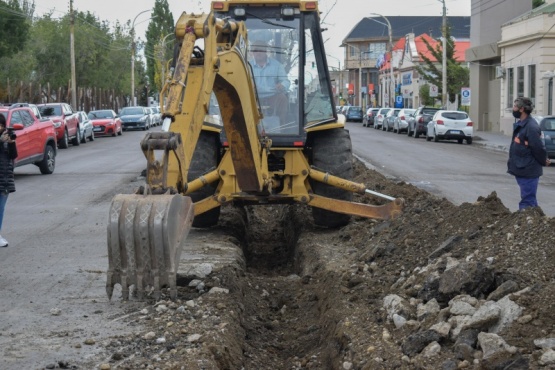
point(42, 129)
point(433, 123)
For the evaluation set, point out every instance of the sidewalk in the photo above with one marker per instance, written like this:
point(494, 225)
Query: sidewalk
point(492, 140)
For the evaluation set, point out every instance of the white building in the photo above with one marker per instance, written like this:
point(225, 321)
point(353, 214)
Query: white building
point(527, 49)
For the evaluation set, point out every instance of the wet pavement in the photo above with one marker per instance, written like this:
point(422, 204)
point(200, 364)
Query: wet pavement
point(492, 140)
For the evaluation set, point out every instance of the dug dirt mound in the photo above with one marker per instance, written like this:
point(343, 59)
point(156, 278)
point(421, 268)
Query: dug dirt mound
point(439, 287)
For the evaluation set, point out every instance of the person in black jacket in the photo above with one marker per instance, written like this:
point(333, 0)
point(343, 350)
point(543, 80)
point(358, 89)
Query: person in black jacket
point(8, 152)
point(527, 154)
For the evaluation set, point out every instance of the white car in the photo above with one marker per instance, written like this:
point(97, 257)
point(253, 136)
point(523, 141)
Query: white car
point(400, 124)
point(450, 125)
point(380, 116)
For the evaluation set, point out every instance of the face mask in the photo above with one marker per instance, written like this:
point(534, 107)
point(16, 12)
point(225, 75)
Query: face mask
point(516, 114)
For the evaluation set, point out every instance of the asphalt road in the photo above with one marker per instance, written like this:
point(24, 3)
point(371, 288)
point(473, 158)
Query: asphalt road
point(57, 254)
point(460, 173)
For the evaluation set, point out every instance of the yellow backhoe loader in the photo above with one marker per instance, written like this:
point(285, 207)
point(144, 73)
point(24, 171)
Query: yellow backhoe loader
point(277, 138)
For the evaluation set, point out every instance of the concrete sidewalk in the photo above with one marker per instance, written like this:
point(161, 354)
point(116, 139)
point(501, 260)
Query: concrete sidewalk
point(492, 140)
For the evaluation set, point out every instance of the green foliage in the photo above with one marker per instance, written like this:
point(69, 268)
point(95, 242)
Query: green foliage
point(458, 76)
point(41, 56)
point(14, 27)
point(536, 3)
point(425, 98)
point(161, 25)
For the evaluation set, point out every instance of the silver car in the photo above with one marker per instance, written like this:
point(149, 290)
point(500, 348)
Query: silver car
point(401, 121)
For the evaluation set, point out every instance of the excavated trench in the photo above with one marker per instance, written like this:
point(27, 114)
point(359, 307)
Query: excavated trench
point(286, 293)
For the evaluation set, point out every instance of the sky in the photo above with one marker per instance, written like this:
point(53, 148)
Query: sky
point(340, 16)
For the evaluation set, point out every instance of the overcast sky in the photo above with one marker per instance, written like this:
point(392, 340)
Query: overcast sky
point(340, 16)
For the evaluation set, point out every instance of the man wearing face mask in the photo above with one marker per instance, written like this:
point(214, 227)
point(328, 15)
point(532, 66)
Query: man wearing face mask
point(527, 154)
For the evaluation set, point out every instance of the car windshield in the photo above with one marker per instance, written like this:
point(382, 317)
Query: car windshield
point(455, 115)
point(50, 110)
point(101, 114)
point(131, 111)
point(355, 110)
point(429, 111)
point(548, 124)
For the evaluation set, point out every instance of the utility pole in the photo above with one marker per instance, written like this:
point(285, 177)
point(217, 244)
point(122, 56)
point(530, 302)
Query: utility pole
point(133, 47)
point(444, 95)
point(72, 56)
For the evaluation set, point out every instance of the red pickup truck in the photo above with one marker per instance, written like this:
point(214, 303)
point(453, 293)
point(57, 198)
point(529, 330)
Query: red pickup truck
point(36, 139)
point(65, 121)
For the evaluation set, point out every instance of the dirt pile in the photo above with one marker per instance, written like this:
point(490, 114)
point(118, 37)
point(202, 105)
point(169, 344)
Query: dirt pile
point(440, 287)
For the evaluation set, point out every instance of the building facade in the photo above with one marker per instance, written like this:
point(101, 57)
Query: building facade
point(484, 57)
point(369, 41)
point(527, 49)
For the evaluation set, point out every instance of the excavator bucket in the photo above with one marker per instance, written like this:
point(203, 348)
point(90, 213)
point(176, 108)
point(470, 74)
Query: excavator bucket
point(145, 238)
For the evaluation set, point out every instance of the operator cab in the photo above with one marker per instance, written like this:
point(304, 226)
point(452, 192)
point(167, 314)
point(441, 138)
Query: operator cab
point(286, 57)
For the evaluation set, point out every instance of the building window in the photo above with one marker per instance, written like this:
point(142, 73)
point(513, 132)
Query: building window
point(510, 87)
point(532, 82)
point(520, 82)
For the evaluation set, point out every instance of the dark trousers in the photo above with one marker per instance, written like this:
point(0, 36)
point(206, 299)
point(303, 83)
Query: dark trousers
point(528, 191)
point(278, 106)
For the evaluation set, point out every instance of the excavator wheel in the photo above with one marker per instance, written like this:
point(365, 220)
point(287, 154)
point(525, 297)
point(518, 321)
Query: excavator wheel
point(205, 158)
point(331, 152)
point(145, 236)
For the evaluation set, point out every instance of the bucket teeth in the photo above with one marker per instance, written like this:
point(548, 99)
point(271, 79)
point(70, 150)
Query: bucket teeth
point(145, 238)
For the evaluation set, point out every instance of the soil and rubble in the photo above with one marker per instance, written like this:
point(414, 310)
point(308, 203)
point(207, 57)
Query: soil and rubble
point(439, 287)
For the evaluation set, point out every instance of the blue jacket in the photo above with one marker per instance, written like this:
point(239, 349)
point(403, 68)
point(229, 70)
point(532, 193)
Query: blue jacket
point(527, 154)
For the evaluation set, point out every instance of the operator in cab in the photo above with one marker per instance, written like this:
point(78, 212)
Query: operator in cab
point(271, 80)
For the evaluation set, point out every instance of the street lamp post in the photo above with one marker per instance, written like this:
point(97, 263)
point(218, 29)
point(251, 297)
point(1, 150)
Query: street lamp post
point(162, 54)
point(340, 76)
point(391, 88)
point(359, 71)
point(133, 57)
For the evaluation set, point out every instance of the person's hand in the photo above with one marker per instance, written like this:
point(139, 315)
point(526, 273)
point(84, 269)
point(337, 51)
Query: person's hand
point(5, 138)
point(280, 87)
point(548, 162)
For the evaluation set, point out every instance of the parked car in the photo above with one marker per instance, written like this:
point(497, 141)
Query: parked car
point(157, 116)
point(354, 113)
point(378, 121)
point(105, 122)
point(388, 121)
point(36, 139)
point(34, 108)
point(65, 121)
point(135, 118)
point(400, 123)
point(450, 125)
point(86, 127)
point(418, 123)
point(547, 125)
point(370, 116)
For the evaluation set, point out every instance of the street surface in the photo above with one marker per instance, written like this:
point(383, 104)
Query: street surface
point(460, 173)
point(53, 274)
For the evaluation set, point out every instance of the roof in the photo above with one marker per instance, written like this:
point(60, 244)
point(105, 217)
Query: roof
point(547, 8)
point(422, 49)
point(376, 27)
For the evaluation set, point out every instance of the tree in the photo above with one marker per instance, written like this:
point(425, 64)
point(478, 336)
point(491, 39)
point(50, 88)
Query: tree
point(425, 98)
point(458, 76)
point(161, 25)
point(536, 3)
point(14, 27)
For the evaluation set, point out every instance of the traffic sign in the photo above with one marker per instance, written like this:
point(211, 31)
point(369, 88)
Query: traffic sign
point(433, 91)
point(465, 94)
point(398, 101)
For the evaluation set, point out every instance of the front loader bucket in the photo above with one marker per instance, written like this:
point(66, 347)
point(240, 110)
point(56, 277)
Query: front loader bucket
point(145, 238)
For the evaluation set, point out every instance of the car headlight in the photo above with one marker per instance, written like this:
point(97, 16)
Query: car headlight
point(142, 119)
point(56, 124)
